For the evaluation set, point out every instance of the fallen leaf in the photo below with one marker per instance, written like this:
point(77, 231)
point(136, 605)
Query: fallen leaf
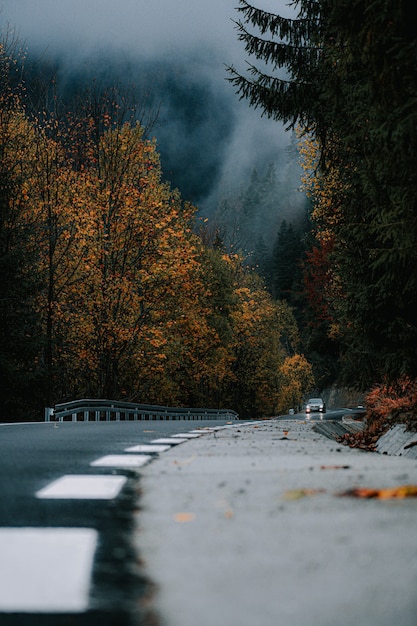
point(334, 467)
point(297, 494)
point(187, 461)
point(184, 517)
point(228, 514)
point(389, 493)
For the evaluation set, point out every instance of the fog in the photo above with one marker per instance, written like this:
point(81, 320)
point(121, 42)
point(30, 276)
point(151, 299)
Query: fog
point(176, 51)
point(147, 28)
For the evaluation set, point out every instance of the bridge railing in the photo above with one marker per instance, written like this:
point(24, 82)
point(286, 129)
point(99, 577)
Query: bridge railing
point(113, 410)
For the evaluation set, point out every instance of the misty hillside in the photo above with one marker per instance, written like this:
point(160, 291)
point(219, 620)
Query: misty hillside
point(204, 152)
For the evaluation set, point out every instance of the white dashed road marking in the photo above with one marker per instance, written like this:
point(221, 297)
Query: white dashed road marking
point(172, 441)
point(206, 430)
point(127, 461)
point(48, 570)
point(83, 487)
point(148, 447)
point(45, 570)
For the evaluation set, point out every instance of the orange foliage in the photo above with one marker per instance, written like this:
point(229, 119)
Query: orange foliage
point(387, 404)
point(318, 279)
point(130, 302)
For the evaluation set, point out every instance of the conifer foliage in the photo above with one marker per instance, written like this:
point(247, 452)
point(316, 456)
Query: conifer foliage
point(278, 42)
point(351, 87)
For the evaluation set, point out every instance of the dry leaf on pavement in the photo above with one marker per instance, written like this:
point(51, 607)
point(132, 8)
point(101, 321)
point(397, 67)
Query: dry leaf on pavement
point(389, 493)
point(184, 517)
point(297, 494)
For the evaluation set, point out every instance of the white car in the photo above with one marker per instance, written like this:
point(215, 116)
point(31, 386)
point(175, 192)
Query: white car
point(315, 405)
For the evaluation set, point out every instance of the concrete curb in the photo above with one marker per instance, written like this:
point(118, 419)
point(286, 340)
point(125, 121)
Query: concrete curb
point(333, 430)
point(396, 442)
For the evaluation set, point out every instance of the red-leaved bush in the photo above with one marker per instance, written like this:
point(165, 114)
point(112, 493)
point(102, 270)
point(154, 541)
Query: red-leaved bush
point(387, 404)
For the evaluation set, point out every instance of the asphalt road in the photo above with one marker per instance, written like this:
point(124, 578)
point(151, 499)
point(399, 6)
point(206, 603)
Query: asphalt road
point(331, 414)
point(33, 456)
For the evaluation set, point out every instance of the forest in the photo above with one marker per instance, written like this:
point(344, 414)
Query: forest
point(343, 75)
point(112, 285)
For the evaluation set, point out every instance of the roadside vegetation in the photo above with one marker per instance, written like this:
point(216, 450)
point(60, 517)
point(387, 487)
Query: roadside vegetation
point(387, 405)
point(342, 74)
point(111, 285)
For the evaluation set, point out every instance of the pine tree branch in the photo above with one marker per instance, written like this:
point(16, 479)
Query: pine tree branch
point(299, 59)
point(280, 99)
point(296, 31)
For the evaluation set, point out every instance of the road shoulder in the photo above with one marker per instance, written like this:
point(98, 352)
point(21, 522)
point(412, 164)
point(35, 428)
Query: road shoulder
point(246, 526)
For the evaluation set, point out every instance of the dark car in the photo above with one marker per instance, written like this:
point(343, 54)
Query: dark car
point(315, 405)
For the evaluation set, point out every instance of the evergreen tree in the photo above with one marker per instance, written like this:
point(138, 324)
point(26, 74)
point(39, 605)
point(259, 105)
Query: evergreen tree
point(261, 259)
point(286, 260)
point(352, 83)
point(373, 118)
point(292, 44)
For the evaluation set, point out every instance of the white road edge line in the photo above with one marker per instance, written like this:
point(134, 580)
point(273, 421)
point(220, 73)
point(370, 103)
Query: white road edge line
point(46, 570)
point(83, 487)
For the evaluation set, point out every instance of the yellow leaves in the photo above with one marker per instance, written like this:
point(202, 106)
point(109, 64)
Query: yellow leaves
point(135, 293)
point(322, 186)
point(297, 378)
point(157, 340)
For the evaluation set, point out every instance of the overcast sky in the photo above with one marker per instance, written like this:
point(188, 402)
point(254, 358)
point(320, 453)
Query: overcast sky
point(146, 26)
point(157, 29)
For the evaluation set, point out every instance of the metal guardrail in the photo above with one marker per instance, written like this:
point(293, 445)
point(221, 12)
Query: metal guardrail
point(113, 410)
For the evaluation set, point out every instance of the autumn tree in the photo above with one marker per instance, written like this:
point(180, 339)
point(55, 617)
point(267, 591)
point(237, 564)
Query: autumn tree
point(124, 214)
point(109, 289)
point(220, 301)
point(130, 315)
point(265, 334)
point(296, 380)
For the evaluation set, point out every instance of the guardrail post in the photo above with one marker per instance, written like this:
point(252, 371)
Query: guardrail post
point(49, 412)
